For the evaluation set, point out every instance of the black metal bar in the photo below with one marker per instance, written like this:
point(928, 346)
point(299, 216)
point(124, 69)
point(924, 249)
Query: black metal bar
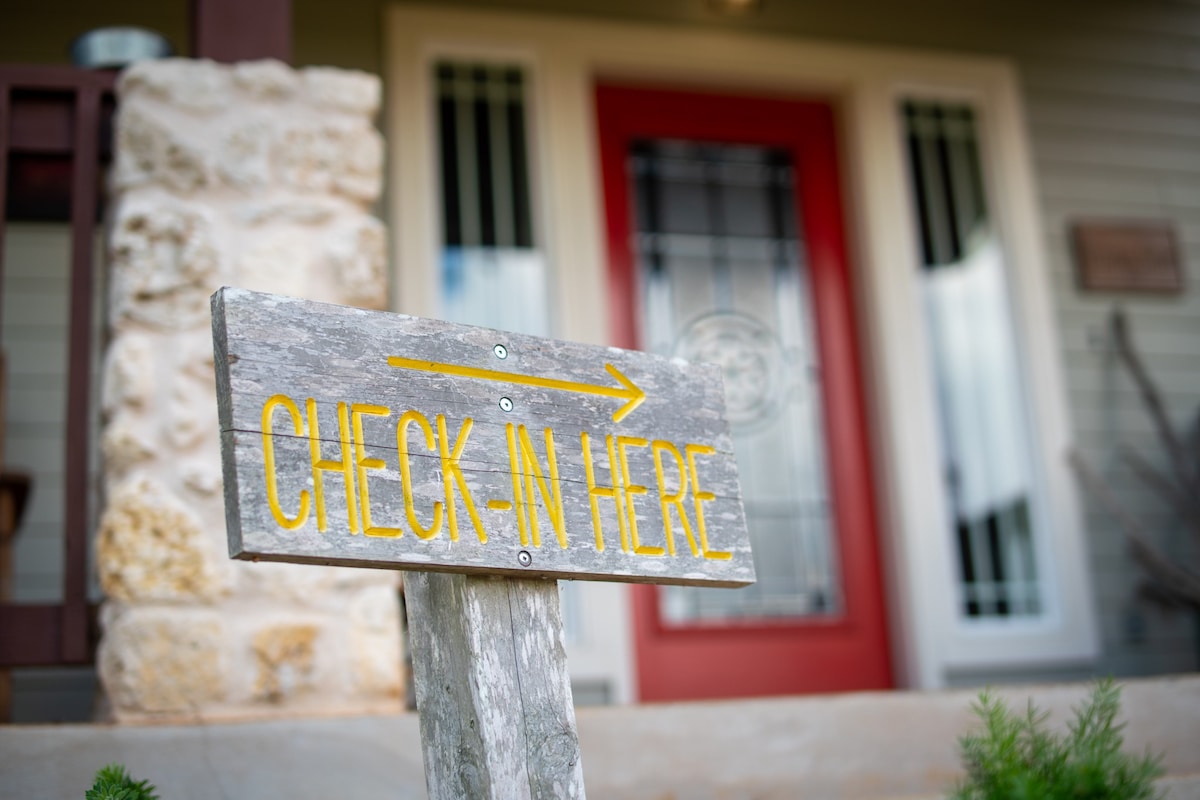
point(714, 194)
point(646, 180)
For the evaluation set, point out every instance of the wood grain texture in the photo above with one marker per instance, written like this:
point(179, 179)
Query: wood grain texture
point(492, 688)
point(419, 467)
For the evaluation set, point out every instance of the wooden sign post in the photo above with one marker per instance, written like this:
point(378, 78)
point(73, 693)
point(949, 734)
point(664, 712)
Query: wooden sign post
point(484, 463)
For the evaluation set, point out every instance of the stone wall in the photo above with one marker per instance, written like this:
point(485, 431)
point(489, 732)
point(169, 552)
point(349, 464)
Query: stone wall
point(259, 176)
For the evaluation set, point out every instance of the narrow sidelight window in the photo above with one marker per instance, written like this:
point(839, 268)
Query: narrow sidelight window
point(985, 431)
point(492, 273)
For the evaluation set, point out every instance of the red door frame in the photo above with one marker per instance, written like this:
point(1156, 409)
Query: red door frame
point(851, 651)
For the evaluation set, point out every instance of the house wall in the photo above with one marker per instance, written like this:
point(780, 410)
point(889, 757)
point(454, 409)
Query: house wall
point(36, 324)
point(34, 339)
point(34, 336)
point(1112, 115)
point(1114, 121)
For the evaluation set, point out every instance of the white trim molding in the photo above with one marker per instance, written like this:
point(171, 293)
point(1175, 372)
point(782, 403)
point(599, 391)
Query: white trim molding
point(566, 56)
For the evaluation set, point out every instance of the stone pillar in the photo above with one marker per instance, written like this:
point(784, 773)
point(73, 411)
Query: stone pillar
point(259, 176)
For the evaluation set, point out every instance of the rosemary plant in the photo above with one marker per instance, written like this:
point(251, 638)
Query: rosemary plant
point(113, 782)
point(1015, 757)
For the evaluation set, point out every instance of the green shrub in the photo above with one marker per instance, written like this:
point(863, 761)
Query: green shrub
point(1014, 757)
point(114, 783)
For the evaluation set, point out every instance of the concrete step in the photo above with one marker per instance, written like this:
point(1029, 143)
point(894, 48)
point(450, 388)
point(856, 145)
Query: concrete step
point(872, 745)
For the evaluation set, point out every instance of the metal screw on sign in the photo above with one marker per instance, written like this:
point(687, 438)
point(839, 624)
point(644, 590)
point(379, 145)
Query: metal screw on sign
point(506, 404)
point(524, 559)
point(501, 351)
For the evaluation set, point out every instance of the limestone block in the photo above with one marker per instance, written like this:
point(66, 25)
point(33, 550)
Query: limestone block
point(265, 80)
point(125, 445)
point(164, 265)
point(284, 656)
point(140, 141)
point(183, 167)
point(202, 476)
point(192, 85)
point(243, 155)
point(356, 256)
point(194, 354)
point(151, 548)
point(308, 157)
point(375, 650)
point(191, 410)
point(356, 92)
point(344, 579)
point(304, 586)
point(161, 660)
point(341, 157)
point(300, 211)
point(128, 373)
point(360, 172)
point(276, 260)
point(299, 586)
point(147, 151)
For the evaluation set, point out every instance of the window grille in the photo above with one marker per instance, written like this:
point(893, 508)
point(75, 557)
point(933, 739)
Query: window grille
point(985, 436)
point(491, 273)
point(723, 280)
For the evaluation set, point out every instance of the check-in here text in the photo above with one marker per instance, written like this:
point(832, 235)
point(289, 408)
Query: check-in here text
point(338, 453)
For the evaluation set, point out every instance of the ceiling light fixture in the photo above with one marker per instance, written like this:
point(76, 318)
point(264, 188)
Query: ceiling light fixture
point(116, 47)
point(736, 8)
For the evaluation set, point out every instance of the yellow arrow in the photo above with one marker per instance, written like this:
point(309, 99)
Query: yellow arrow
point(627, 391)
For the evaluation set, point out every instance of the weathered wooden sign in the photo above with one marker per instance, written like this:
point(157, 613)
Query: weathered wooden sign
point(365, 438)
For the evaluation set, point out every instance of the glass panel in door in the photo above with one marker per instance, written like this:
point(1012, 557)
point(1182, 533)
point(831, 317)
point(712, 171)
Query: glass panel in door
point(722, 278)
point(725, 242)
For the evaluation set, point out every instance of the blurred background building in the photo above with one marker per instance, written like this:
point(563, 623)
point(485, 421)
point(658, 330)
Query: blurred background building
point(901, 229)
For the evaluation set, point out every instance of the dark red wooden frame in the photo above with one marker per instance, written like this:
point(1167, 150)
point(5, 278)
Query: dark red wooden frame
point(763, 657)
point(62, 118)
point(70, 118)
point(241, 30)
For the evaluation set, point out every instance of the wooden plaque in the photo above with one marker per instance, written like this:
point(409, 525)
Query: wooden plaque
point(1127, 257)
point(364, 438)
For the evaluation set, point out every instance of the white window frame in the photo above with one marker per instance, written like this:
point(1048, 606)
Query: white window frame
point(931, 639)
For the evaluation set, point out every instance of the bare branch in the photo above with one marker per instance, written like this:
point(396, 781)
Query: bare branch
point(1153, 402)
point(1153, 593)
point(1177, 583)
point(1186, 504)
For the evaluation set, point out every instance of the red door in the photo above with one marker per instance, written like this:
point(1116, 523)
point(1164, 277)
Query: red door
point(726, 243)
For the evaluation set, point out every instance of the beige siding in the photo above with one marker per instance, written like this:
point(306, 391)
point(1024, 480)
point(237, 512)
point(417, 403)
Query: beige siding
point(1117, 134)
point(1112, 95)
point(1113, 108)
point(34, 337)
point(36, 269)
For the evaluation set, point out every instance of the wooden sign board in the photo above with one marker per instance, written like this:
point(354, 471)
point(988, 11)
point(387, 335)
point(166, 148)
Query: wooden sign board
point(365, 438)
point(1127, 257)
